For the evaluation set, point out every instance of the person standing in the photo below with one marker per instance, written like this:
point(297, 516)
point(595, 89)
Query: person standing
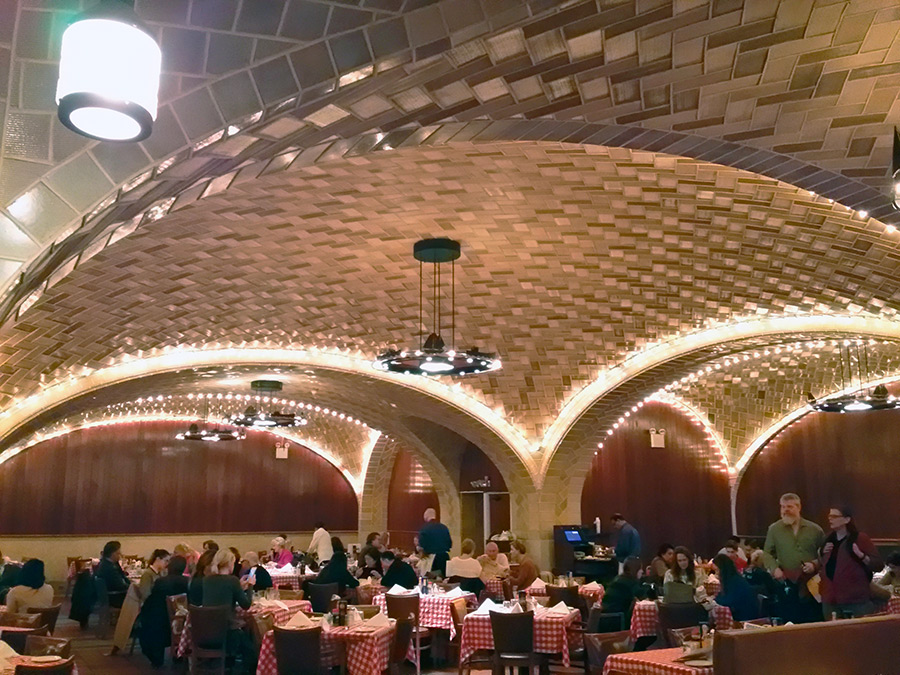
point(792, 548)
point(628, 541)
point(435, 540)
point(320, 545)
point(848, 560)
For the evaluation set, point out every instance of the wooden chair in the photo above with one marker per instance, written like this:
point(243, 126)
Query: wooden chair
point(406, 608)
point(298, 652)
point(62, 668)
point(458, 611)
point(570, 596)
point(36, 645)
point(260, 624)
point(289, 594)
point(20, 620)
point(599, 647)
point(679, 615)
point(514, 642)
point(209, 634)
point(73, 567)
point(320, 596)
point(16, 639)
point(507, 590)
point(403, 635)
point(49, 615)
point(26, 624)
point(177, 610)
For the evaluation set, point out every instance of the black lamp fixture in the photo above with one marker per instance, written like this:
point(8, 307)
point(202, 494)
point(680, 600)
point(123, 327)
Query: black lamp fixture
point(109, 74)
point(195, 433)
point(432, 357)
point(862, 399)
point(253, 417)
point(895, 172)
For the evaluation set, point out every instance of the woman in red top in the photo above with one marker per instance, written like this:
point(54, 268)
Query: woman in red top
point(846, 563)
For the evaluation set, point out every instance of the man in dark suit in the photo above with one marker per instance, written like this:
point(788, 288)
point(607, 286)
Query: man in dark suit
point(251, 569)
point(397, 572)
point(117, 582)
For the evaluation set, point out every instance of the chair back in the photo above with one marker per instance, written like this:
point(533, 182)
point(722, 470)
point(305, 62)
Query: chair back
point(290, 594)
point(20, 620)
point(566, 594)
point(679, 615)
point(367, 611)
point(177, 609)
point(403, 634)
point(403, 607)
point(16, 639)
point(599, 647)
point(604, 622)
point(36, 645)
point(507, 590)
point(101, 593)
point(513, 633)
point(320, 596)
point(49, 615)
point(260, 624)
point(209, 626)
point(458, 611)
point(298, 652)
point(63, 667)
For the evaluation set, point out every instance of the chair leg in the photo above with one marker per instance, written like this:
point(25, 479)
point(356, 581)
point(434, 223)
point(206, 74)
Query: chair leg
point(418, 652)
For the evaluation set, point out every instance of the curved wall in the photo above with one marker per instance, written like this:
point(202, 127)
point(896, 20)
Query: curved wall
point(670, 494)
point(829, 459)
point(138, 478)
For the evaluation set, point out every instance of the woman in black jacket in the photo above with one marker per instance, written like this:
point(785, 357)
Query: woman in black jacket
point(335, 571)
point(155, 631)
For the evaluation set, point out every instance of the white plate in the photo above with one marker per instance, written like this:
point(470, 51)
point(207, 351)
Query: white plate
point(699, 663)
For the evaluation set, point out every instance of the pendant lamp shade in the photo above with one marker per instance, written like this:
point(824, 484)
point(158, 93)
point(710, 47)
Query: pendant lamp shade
point(109, 77)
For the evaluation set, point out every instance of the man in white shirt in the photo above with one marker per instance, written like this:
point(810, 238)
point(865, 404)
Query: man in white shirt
point(321, 544)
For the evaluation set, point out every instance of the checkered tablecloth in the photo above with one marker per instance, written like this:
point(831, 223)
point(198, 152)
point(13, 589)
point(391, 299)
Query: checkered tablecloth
point(592, 594)
point(652, 662)
point(551, 633)
point(494, 588)
point(713, 587)
point(721, 617)
point(367, 653)
point(434, 610)
point(281, 616)
point(365, 594)
point(894, 605)
point(644, 619)
point(294, 579)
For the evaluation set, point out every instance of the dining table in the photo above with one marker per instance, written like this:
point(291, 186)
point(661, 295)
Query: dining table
point(591, 593)
point(645, 618)
point(652, 662)
point(8, 666)
point(551, 633)
point(364, 650)
point(434, 609)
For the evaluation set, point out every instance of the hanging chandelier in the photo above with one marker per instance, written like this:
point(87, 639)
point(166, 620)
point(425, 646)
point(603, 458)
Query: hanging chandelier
point(195, 433)
point(253, 417)
point(109, 75)
point(432, 357)
point(862, 398)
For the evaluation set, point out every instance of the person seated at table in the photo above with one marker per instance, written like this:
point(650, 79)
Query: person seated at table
point(733, 550)
point(237, 562)
point(256, 574)
point(759, 578)
point(465, 569)
point(189, 554)
point(202, 569)
point(335, 570)
point(373, 540)
point(494, 565)
point(683, 571)
point(281, 555)
point(8, 578)
point(397, 572)
point(624, 590)
point(210, 545)
point(222, 589)
point(665, 556)
point(109, 569)
point(135, 597)
point(155, 632)
point(890, 580)
point(523, 577)
point(31, 589)
point(736, 594)
point(371, 564)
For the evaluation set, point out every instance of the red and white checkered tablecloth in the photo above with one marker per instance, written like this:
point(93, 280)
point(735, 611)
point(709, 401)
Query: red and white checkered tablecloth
point(713, 587)
point(644, 619)
point(294, 579)
point(551, 633)
point(894, 605)
point(494, 588)
point(367, 653)
point(721, 617)
point(434, 610)
point(652, 662)
point(366, 594)
point(281, 616)
point(592, 594)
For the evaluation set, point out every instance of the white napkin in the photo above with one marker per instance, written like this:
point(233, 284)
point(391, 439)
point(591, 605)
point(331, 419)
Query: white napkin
point(397, 589)
point(6, 652)
point(559, 608)
point(593, 586)
point(489, 606)
point(286, 569)
point(455, 593)
point(300, 620)
point(378, 621)
point(272, 603)
point(516, 609)
point(538, 583)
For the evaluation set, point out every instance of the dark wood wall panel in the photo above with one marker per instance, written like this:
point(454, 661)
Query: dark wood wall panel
point(829, 459)
point(475, 465)
point(138, 478)
point(670, 494)
point(407, 500)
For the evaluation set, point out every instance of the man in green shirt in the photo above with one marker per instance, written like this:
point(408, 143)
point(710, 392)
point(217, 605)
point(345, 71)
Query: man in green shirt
point(792, 550)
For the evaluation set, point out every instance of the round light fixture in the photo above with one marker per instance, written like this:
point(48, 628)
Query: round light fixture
point(252, 417)
point(109, 75)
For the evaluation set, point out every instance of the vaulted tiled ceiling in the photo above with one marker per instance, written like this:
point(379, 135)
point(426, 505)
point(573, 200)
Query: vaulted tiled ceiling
point(574, 253)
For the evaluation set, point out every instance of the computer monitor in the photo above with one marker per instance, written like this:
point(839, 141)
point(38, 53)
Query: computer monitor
point(573, 536)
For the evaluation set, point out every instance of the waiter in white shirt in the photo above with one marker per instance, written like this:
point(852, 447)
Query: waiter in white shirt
point(321, 544)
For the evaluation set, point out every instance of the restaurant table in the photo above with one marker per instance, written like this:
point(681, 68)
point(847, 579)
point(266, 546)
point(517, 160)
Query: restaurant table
point(644, 619)
point(366, 594)
point(721, 617)
point(434, 610)
point(652, 662)
point(8, 667)
point(293, 579)
point(281, 616)
point(367, 652)
point(494, 588)
point(713, 587)
point(592, 594)
point(551, 633)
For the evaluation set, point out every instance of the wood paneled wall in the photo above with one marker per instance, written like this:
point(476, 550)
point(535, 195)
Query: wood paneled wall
point(475, 465)
point(829, 459)
point(672, 494)
point(407, 500)
point(138, 478)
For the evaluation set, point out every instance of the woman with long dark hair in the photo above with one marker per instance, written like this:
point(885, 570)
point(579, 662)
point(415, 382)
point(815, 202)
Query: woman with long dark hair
point(31, 590)
point(847, 561)
point(683, 571)
point(736, 593)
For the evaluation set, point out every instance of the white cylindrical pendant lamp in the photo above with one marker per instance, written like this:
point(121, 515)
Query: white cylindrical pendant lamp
point(108, 78)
